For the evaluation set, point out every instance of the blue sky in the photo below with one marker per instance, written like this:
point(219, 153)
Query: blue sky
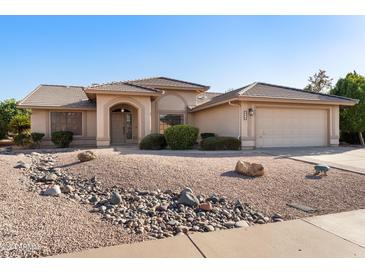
point(222, 52)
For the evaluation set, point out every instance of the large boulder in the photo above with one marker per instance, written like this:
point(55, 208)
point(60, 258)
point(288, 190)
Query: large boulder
point(249, 169)
point(188, 198)
point(86, 156)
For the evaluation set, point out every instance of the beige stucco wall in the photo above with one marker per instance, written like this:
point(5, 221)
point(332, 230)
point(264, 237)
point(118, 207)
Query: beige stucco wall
point(229, 120)
point(40, 122)
point(173, 102)
point(222, 120)
point(105, 102)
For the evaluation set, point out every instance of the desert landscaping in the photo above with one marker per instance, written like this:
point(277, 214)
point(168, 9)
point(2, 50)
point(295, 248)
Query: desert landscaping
point(52, 203)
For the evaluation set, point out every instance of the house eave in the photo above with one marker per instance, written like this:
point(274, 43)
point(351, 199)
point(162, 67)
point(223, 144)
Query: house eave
point(274, 100)
point(112, 92)
point(57, 107)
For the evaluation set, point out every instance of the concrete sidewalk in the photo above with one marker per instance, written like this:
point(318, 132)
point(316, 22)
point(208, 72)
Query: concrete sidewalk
point(335, 235)
point(345, 158)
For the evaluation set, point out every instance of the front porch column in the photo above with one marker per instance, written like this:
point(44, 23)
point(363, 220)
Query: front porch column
point(102, 124)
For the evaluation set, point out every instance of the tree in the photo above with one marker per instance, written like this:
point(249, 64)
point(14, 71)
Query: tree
point(19, 123)
point(319, 82)
point(352, 119)
point(8, 110)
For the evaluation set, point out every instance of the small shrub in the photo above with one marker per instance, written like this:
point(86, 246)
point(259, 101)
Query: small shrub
point(62, 138)
point(220, 143)
point(22, 139)
point(153, 141)
point(181, 136)
point(205, 135)
point(19, 123)
point(36, 138)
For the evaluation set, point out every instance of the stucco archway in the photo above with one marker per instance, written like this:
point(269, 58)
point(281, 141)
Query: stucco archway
point(112, 103)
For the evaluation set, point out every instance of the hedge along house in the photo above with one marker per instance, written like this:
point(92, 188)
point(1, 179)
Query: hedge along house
point(117, 113)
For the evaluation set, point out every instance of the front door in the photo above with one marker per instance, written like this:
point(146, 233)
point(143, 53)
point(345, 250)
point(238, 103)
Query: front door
point(121, 128)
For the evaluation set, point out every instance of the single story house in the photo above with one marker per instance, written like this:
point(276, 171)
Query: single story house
point(117, 113)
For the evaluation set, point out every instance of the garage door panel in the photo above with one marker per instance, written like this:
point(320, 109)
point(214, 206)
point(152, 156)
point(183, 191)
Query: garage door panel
point(277, 127)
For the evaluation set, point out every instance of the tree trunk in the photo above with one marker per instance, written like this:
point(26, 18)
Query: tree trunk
point(361, 139)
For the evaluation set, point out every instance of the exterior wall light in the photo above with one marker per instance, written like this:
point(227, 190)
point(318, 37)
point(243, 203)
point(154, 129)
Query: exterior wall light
point(250, 111)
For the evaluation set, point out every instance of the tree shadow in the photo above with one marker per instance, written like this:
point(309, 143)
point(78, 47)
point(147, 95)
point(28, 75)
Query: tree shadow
point(313, 177)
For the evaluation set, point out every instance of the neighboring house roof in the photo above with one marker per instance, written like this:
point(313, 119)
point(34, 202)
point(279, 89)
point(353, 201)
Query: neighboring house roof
point(207, 96)
point(122, 87)
point(57, 96)
point(164, 82)
point(259, 90)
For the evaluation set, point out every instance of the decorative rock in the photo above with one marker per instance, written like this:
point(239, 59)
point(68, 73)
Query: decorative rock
point(209, 228)
point(207, 206)
point(67, 189)
point(86, 156)
point(214, 199)
point(102, 209)
point(260, 221)
point(152, 214)
point(21, 164)
point(115, 199)
point(241, 224)
point(51, 177)
point(187, 198)
point(162, 207)
point(229, 224)
point(93, 199)
point(249, 169)
point(53, 191)
point(321, 169)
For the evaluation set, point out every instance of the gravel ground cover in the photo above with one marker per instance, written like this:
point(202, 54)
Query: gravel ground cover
point(32, 225)
point(285, 180)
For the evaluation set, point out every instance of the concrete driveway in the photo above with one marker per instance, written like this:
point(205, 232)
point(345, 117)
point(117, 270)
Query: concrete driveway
point(346, 158)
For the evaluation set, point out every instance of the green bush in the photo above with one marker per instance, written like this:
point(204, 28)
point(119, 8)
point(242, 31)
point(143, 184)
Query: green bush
point(220, 143)
point(350, 137)
point(19, 123)
point(153, 141)
point(207, 135)
point(62, 138)
point(37, 138)
point(8, 109)
point(22, 139)
point(3, 129)
point(181, 136)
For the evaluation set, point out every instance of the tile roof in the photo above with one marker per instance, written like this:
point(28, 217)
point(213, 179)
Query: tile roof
point(122, 87)
point(57, 96)
point(265, 90)
point(168, 83)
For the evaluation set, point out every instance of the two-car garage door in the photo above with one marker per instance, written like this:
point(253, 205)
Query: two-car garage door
point(286, 127)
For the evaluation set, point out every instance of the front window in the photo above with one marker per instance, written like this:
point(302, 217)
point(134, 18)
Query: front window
point(168, 120)
point(67, 121)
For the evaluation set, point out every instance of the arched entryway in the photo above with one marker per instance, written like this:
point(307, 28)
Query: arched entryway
point(123, 124)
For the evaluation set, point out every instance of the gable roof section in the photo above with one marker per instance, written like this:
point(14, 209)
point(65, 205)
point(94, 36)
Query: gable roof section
point(164, 82)
point(122, 87)
point(259, 90)
point(57, 96)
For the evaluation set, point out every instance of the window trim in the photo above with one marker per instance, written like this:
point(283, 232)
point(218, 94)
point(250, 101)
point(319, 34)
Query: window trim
point(182, 114)
point(82, 121)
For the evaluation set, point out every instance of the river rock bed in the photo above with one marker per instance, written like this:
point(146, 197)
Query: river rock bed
point(153, 214)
